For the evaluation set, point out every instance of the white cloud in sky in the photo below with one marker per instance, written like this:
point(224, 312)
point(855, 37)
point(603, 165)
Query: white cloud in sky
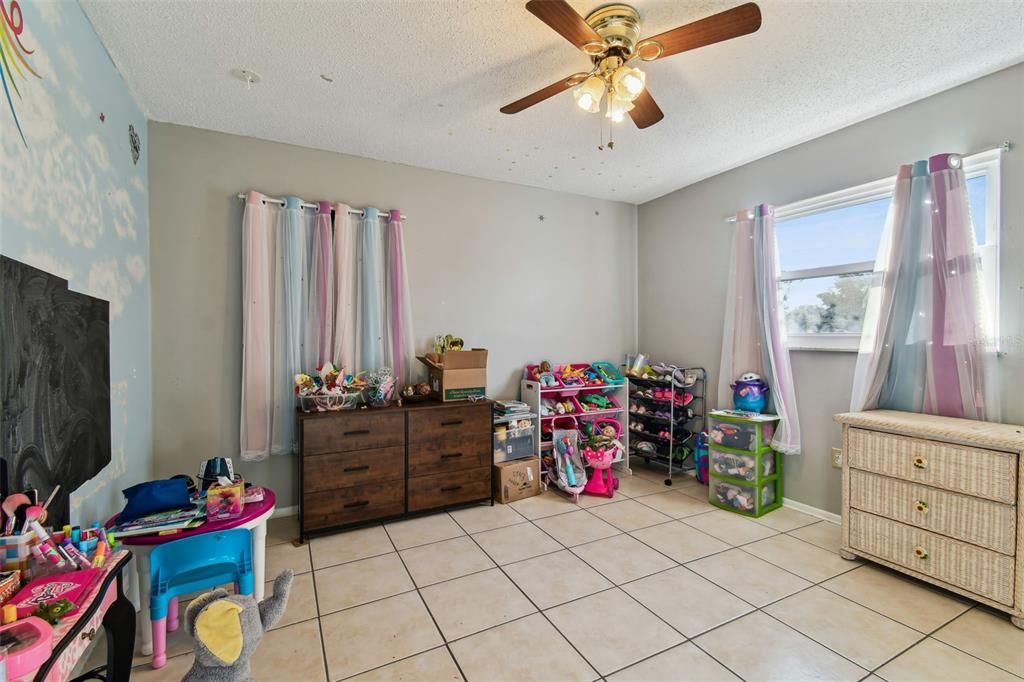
point(123, 212)
point(136, 267)
point(105, 280)
point(47, 262)
point(97, 151)
point(137, 183)
point(80, 103)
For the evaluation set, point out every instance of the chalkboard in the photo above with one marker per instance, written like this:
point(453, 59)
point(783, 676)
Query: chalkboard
point(55, 367)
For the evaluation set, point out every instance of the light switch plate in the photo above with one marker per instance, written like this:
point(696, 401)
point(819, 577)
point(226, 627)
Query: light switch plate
point(837, 458)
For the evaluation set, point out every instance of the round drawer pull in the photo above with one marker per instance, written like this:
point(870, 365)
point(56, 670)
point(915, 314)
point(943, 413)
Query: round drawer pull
point(920, 462)
point(921, 552)
point(921, 506)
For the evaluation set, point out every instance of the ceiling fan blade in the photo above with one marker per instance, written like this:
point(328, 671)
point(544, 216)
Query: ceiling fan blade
point(645, 111)
point(543, 94)
point(561, 17)
point(732, 23)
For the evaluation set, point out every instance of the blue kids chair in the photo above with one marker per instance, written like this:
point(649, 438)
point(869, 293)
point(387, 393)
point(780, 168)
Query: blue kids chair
point(199, 562)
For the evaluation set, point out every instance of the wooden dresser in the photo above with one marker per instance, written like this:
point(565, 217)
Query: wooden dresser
point(939, 499)
point(364, 465)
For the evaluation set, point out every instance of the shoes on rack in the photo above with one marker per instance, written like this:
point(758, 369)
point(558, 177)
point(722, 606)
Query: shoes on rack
point(646, 446)
point(633, 407)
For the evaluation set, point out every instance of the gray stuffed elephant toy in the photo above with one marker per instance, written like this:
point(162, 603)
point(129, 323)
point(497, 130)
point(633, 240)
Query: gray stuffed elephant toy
point(226, 629)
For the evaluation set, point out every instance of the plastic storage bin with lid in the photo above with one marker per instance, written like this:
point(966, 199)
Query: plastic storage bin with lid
point(745, 473)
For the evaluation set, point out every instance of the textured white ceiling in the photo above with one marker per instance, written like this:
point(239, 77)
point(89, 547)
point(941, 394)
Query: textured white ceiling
point(421, 82)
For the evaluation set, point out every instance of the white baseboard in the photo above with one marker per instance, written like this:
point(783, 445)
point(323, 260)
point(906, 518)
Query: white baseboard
point(280, 512)
point(813, 511)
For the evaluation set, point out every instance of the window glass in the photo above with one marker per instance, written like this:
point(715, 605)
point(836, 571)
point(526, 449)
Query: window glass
point(843, 235)
point(825, 305)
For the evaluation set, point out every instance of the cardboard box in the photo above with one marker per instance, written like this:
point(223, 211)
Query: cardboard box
point(457, 374)
point(516, 479)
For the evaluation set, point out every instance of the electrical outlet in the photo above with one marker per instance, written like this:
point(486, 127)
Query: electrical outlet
point(837, 458)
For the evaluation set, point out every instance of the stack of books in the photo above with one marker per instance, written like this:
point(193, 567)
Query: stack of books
point(511, 408)
point(162, 522)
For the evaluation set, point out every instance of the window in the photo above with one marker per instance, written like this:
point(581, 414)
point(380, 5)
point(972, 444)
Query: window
point(827, 247)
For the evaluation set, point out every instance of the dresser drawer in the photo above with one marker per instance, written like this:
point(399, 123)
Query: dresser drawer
point(451, 453)
point(971, 519)
point(353, 504)
point(441, 490)
point(974, 471)
point(432, 423)
point(344, 469)
point(980, 571)
point(357, 430)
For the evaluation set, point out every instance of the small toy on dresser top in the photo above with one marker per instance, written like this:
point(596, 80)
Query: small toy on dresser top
point(750, 393)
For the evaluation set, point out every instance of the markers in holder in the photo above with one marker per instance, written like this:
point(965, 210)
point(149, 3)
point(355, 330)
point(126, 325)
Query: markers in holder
point(81, 560)
point(101, 554)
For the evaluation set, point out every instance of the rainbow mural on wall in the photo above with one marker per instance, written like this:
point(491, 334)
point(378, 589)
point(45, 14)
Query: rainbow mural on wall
point(13, 53)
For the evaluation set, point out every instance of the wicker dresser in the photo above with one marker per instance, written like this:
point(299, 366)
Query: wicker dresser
point(939, 499)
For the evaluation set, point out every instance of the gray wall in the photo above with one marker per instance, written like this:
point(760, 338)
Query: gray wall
point(683, 249)
point(481, 265)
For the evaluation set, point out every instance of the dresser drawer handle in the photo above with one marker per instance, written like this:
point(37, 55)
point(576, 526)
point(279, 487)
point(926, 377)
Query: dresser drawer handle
point(451, 488)
point(360, 503)
point(357, 432)
point(89, 634)
point(920, 462)
point(451, 455)
point(456, 422)
point(921, 552)
point(364, 467)
point(921, 506)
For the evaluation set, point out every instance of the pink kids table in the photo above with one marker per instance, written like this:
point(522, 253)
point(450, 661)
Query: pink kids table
point(254, 517)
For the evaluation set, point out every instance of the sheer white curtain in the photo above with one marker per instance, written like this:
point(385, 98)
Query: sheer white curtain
point(753, 338)
point(345, 287)
point(924, 347)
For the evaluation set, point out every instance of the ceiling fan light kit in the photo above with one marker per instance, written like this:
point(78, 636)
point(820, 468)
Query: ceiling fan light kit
point(610, 38)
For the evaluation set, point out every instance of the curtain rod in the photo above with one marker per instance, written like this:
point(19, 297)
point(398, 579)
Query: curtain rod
point(1005, 146)
point(351, 211)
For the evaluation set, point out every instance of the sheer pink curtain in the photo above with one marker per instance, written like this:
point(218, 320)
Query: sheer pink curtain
point(753, 338)
point(259, 299)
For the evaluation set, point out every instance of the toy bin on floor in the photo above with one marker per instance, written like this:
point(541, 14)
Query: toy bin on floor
point(745, 473)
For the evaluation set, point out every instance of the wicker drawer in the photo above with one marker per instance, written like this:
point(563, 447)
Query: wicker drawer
point(426, 425)
point(974, 471)
point(354, 504)
point(454, 452)
point(442, 490)
point(980, 571)
point(971, 519)
point(345, 469)
point(356, 430)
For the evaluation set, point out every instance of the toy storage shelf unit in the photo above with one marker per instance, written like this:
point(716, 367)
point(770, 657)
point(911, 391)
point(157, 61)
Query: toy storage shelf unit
point(745, 473)
point(670, 411)
point(575, 400)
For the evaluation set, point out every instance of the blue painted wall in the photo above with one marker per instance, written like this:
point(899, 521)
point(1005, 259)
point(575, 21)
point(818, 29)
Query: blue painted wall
point(73, 203)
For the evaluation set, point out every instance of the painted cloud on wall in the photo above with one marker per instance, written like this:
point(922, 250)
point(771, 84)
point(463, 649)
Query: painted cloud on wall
point(73, 203)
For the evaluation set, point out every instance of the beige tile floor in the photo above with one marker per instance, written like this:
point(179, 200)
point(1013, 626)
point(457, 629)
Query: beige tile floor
point(653, 585)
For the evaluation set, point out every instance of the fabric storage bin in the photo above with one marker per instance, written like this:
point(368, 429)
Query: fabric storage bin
point(750, 500)
point(756, 465)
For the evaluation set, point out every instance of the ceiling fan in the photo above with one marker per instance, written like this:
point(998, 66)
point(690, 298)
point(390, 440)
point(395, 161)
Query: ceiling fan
point(610, 36)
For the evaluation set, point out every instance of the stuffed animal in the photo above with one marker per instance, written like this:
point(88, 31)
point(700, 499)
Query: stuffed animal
point(227, 628)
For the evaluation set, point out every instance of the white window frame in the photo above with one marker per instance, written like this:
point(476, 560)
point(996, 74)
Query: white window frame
point(984, 163)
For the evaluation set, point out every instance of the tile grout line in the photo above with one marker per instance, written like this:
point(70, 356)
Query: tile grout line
point(923, 636)
point(534, 605)
point(423, 601)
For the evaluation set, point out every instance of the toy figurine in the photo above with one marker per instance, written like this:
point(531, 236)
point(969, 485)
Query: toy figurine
point(54, 611)
point(750, 393)
point(304, 384)
point(548, 380)
point(545, 367)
